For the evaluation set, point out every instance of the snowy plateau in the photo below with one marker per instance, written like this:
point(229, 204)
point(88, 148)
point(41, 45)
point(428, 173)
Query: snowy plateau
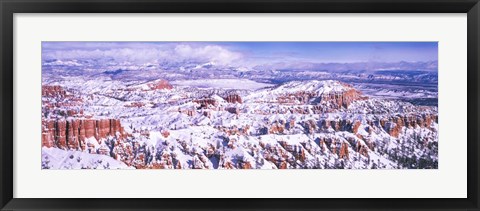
point(196, 118)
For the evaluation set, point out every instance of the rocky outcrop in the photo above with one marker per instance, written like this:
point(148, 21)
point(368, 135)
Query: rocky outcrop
point(165, 133)
point(391, 124)
point(344, 151)
point(75, 112)
point(233, 98)
point(327, 102)
point(48, 134)
point(159, 85)
point(355, 126)
point(362, 149)
point(135, 104)
point(72, 133)
point(234, 130)
point(340, 100)
point(56, 101)
point(207, 114)
point(339, 125)
point(187, 111)
point(337, 146)
point(276, 128)
point(206, 102)
point(53, 91)
point(233, 110)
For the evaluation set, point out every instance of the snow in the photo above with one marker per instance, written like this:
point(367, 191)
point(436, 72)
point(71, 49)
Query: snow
point(293, 87)
point(222, 84)
point(320, 87)
point(194, 131)
point(54, 158)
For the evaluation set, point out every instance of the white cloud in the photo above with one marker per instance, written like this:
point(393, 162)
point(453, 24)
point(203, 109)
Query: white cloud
point(209, 53)
point(143, 54)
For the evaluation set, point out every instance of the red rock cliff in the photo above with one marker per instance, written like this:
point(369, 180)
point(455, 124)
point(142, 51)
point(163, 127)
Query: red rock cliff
point(324, 102)
point(341, 100)
point(160, 84)
point(71, 133)
point(53, 91)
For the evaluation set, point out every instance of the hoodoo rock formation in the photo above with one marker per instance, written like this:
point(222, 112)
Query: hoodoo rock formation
point(53, 91)
point(340, 100)
point(206, 102)
point(72, 133)
point(57, 101)
point(392, 124)
point(233, 98)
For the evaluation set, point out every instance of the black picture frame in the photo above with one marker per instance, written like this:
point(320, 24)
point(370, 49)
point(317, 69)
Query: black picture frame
point(9, 7)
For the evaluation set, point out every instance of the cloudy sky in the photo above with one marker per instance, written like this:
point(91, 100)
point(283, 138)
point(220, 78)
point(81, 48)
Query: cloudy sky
point(241, 53)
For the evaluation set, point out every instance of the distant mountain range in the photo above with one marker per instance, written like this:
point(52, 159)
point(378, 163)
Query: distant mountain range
point(411, 72)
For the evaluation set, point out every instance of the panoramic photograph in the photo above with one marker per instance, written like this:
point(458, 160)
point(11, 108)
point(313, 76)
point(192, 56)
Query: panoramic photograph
point(239, 105)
